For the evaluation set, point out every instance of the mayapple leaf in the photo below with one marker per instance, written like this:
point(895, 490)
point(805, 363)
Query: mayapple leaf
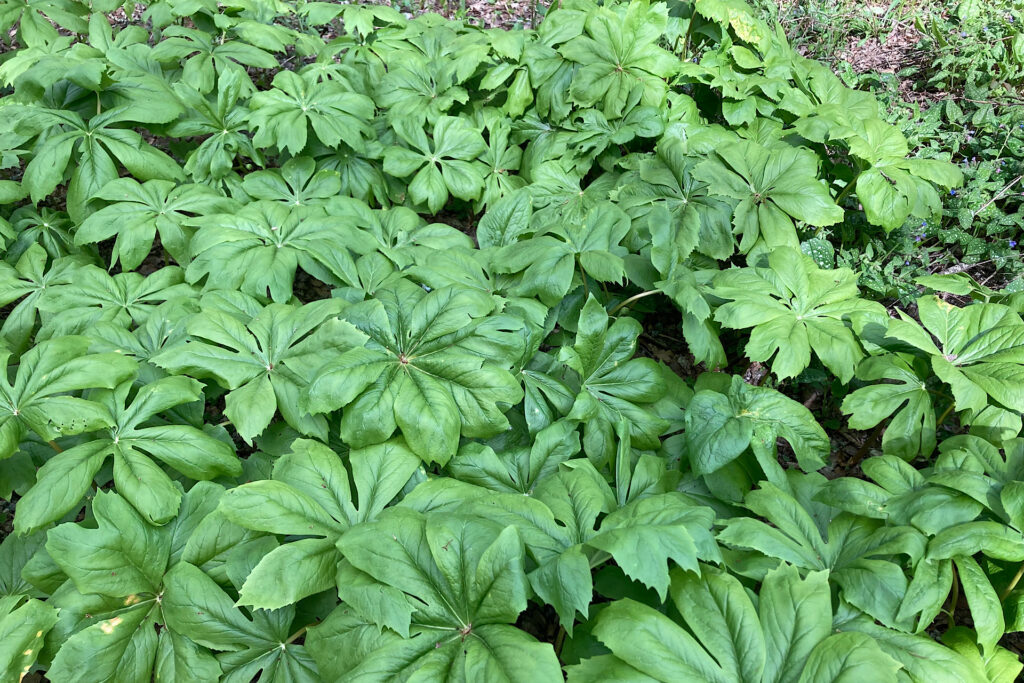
point(419, 372)
point(37, 398)
point(793, 307)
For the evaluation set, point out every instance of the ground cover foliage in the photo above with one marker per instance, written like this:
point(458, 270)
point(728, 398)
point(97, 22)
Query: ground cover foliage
point(950, 75)
point(321, 334)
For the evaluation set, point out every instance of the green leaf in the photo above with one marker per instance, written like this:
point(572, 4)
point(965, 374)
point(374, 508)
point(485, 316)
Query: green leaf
point(63, 481)
point(422, 370)
point(468, 580)
point(620, 52)
point(138, 212)
point(119, 558)
point(773, 186)
point(281, 115)
point(310, 495)
point(253, 359)
point(720, 427)
point(34, 401)
point(793, 306)
point(730, 641)
point(648, 532)
point(911, 431)
point(22, 630)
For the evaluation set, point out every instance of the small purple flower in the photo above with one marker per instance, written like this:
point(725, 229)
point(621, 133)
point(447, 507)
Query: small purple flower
point(1013, 244)
point(963, 34)
point(952, 193)
point(924, 224)
point(919, 238)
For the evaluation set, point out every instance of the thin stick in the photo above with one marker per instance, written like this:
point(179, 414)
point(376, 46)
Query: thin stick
point(999, 194)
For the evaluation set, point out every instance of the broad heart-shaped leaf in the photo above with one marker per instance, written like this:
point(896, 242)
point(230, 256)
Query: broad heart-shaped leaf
point(281, 115)
point(138, 212)
point(788, 637)
point(98, 144)
point(773, 185)
point(548, 259)
point(267, 241)
point(719, 427)
point(426, 370)
point(906, 399)
point(134, 440)
point(248, 647)
point(618, 55)
point(613, 386)
point(310, 496)
point(697, 220)
point(980, 350)
point(37, 399)
point(252, 358)
point(857, 552)
point(794, 307)
point(467, 585)
point(22, 629)
point(446, 164)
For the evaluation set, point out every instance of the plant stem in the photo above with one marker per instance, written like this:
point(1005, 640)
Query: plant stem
point(559, 640)
point(54, 446)
point(945, 414)
point(955, 599)
point(869, 442)
point(1013, 583)
point(631, 299)
point(846, 190)
point(298, 634)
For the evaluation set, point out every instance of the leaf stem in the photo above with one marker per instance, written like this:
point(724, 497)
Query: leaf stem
point(846, 190)
point(583, 276)
point(955, 599)
point(298, 634)
point(1013, 583)
point(559, 640)
point(869, 442)
point(54, 446)
point(631, 299)
point(945, 414)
